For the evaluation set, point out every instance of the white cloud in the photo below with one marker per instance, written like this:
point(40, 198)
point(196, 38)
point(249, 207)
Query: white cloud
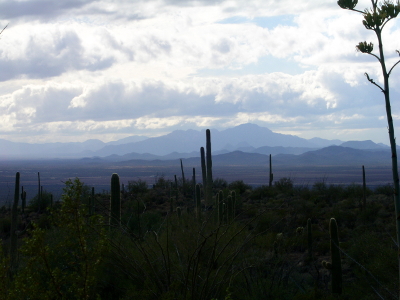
point(115, 67)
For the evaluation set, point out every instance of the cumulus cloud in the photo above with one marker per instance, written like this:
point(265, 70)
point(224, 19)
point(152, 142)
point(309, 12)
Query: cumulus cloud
point(92, 68)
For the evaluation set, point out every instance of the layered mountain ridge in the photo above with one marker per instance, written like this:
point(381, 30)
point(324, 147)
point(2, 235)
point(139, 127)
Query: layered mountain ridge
point(247, 138)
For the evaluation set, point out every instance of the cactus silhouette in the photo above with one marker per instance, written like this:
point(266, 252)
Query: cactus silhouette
point(115, 201)
point(183, 179)
point(209, 166)
point(335, 266)
point(204, 173)
point(271, 175)
point(14, 223)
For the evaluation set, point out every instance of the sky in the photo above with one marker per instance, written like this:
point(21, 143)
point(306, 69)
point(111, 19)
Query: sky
point(73, 70)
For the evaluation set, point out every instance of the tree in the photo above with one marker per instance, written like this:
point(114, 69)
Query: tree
point(375, 19)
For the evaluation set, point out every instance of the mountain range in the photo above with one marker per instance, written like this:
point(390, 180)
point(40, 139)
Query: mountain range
point(327, 156)
point(245, 138)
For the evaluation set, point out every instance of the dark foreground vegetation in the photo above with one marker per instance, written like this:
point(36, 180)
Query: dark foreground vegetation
point(159, 245)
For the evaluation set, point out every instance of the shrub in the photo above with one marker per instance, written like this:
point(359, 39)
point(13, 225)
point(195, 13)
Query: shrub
point(5, 225)
point(284, 185)
point(220, 184)
point(137, 187)
point(239, 186)
point(62, 263)
point(386, 190)
point(41, 204)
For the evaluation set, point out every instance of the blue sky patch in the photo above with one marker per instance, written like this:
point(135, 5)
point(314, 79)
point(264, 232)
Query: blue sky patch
point(264, 22)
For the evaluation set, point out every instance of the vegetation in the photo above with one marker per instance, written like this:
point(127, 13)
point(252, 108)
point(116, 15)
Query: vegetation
point(181, 240)
point(375, 20)
point(273, 242)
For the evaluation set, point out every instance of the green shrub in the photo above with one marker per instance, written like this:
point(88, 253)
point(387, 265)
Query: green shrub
point(42, 203)
point(62, 263)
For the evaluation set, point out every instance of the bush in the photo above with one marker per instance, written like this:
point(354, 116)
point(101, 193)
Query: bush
point(162, 183)
point(41, 204)
point(220, 184)
point(5, 225)
point(386, 190)
point(239, 186)
point(137, 187)
point(62, 263)
point(284, 185)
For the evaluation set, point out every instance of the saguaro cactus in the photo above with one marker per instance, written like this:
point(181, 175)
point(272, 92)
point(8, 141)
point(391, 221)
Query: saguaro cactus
point(203, 171)
point(271, 175)
point(209, 166)
point(115, 203)
point(336, 264)
point(14, 223)
point(183, 179)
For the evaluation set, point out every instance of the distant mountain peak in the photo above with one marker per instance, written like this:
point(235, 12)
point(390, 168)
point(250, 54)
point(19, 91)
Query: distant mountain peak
point(368, 144)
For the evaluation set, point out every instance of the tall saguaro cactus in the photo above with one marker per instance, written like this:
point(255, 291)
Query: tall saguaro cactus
point(335, 266)
point(375, 20)
point(14, 223)
point(115, 201)
point(209, 166)
point(183, 178)
point(336, 260)
point(271, 175)
point(204, 173)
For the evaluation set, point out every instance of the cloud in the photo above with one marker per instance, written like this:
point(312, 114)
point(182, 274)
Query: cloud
point(113, 67)
point(11, 9)
point(273, 100)
point(48, 53)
